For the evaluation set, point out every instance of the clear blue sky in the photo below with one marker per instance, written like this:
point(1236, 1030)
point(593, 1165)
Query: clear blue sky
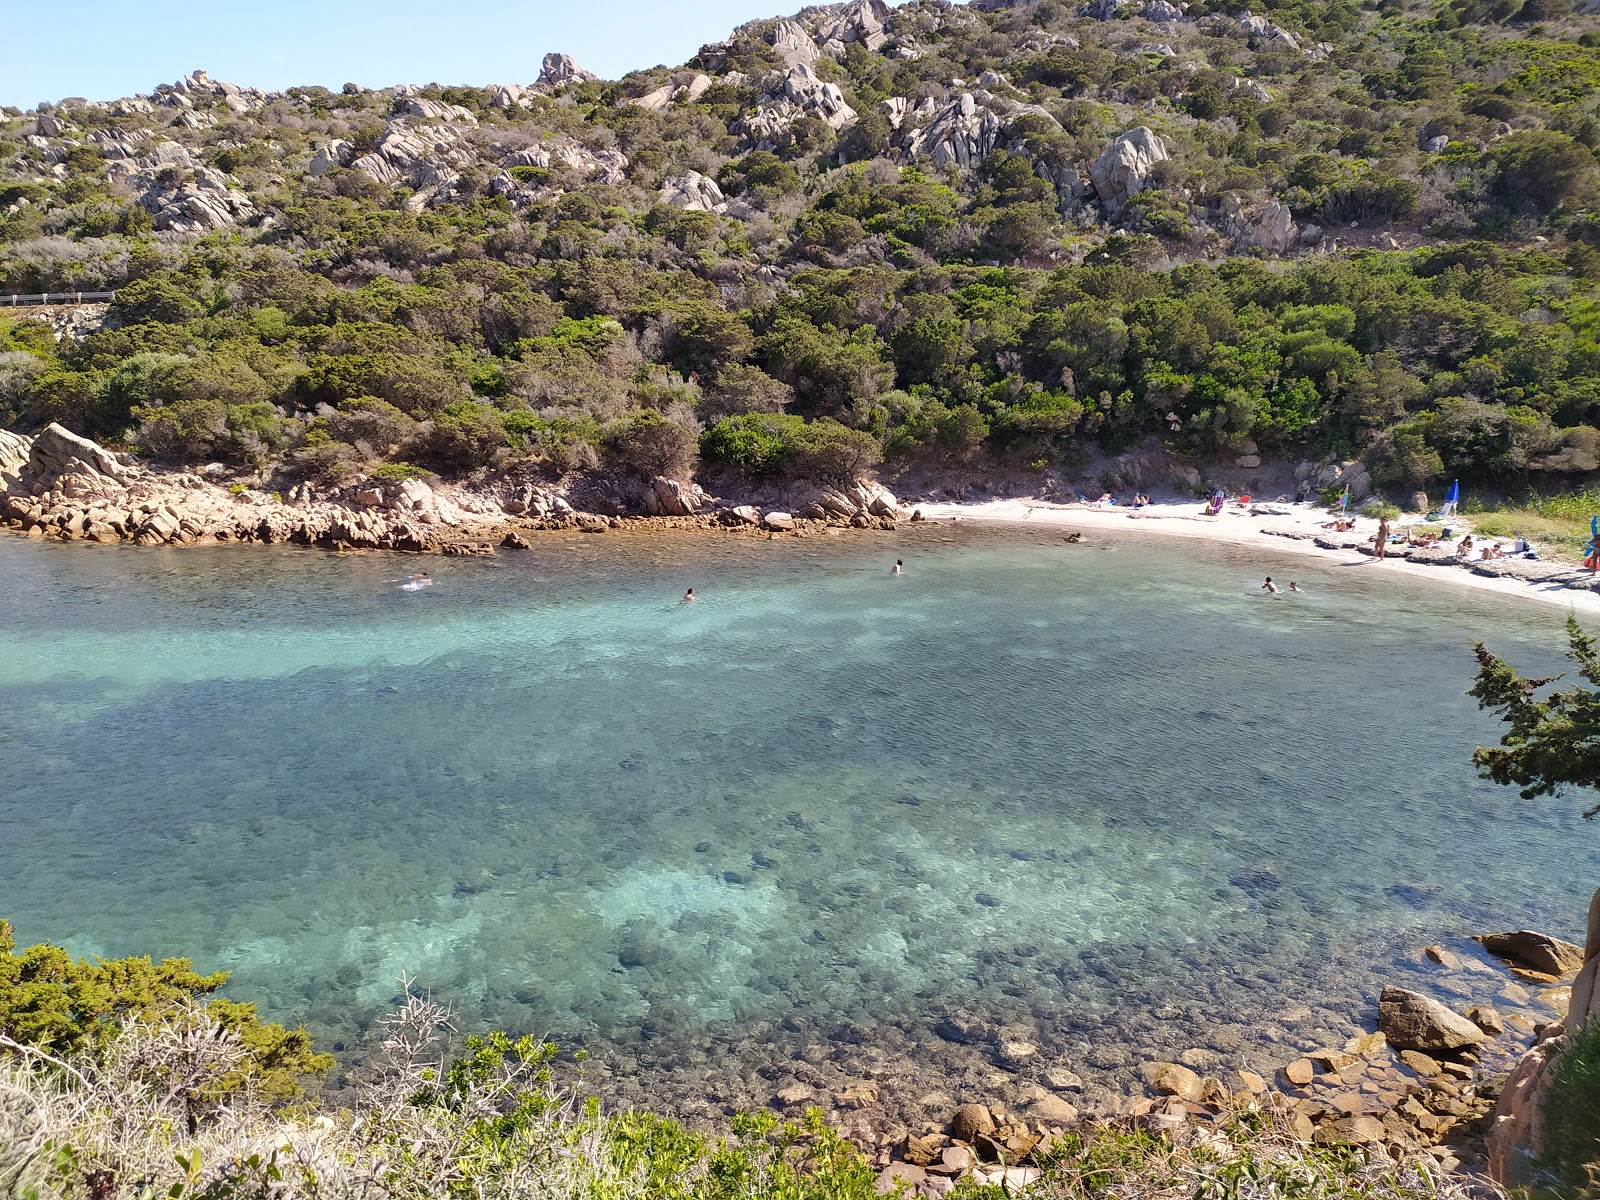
point(101, 49)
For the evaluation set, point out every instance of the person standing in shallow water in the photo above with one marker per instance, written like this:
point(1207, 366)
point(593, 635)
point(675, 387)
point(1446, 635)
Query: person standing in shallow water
point(899, 567)
point(1268, 586)
point(688, 597)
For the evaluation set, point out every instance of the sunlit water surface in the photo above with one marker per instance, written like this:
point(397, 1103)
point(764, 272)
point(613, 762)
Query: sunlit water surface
point(1060, 787)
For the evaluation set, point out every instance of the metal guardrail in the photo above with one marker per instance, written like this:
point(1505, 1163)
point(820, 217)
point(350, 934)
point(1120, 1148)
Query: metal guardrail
point(15, 300)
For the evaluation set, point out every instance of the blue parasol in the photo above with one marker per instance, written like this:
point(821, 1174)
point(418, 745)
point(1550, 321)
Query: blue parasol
point(1452, 497)
point(1591, 552)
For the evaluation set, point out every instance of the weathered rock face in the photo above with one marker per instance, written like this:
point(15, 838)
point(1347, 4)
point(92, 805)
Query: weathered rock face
point(1412, 1021)
point(793, 44)
point(963, 134)
point(860, 23)
point(683, 87)
point(672, 498)
point(14, 449)
point(59, 451)
point(180, 194)
point(693, 191)
point(803, 95)
point(1535, 951)
point(424, 157)
point(598, 166)
point(1123, 171)
point(336, 153)
point(1269, 227)
point(434, 110)
point(559, 70)
point(1332, 472)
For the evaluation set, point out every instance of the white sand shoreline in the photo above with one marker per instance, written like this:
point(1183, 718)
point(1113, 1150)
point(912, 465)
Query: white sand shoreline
point(1237, 527)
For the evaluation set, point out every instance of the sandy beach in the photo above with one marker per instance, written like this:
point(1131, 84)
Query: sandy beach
point(1238, 526)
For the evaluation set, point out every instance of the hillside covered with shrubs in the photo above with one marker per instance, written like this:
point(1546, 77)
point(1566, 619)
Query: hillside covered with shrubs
point(934, 233)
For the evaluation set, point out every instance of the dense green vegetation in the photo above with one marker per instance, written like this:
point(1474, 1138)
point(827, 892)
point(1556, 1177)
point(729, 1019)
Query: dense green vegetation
point(1552, 740)
point(855, 300)
point(1572, 1157)
point(65, 1007)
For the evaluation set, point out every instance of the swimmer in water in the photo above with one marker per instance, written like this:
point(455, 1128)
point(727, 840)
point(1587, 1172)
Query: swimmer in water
point(1269, 586)
point(899, 567)
point(417, 582)
point(689, 597)
point(1295, 587)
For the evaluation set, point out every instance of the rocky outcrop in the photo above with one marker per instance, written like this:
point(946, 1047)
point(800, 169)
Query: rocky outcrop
point(434, 110)
point(865, 498)
point(1123, 170)
point(803, 95)
point(684, 87)
point(558, 70)
point(792, 43)
point(692, 191)
point(424, 157)
point(596, 166)
point(962, 134)
point(181, 194)
point(14, 448)
point(1412, 1021)
point(1516, 1134)
point(1267, 227)
point(672, 498)
point(336, 153)
point(860, 23)
point(1333, 472)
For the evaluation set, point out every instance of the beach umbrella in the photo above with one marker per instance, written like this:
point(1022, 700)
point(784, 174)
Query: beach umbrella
point(1344, 498)
point(1453, 496)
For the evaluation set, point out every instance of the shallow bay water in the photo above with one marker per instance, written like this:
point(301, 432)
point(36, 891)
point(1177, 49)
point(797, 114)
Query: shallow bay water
point(1109, 798)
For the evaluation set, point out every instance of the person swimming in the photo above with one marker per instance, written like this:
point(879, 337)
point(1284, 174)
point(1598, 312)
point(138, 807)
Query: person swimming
point(899, 567)
point(417, 582)
point(1295, 587)
point(688, 597)
point(1269, 586)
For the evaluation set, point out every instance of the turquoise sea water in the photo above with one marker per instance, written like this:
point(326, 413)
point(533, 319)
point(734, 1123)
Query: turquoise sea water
point(1060, 787)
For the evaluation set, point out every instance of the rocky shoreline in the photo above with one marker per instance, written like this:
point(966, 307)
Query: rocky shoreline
point(68, 488)
point(1457, 1087)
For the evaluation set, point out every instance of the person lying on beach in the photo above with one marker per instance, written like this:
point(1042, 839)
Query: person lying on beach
point(1140, 500)
point(1105, 498)
point(1269, 586)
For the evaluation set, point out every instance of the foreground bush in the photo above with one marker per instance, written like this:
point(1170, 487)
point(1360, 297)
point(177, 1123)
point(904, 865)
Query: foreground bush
point(1572, 1156)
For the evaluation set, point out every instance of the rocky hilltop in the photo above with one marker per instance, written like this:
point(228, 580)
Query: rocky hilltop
point(991, 239)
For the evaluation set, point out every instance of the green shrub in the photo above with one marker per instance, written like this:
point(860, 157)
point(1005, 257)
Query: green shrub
point(398, 472)
point(63, 1007)
point(1572, 1113)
